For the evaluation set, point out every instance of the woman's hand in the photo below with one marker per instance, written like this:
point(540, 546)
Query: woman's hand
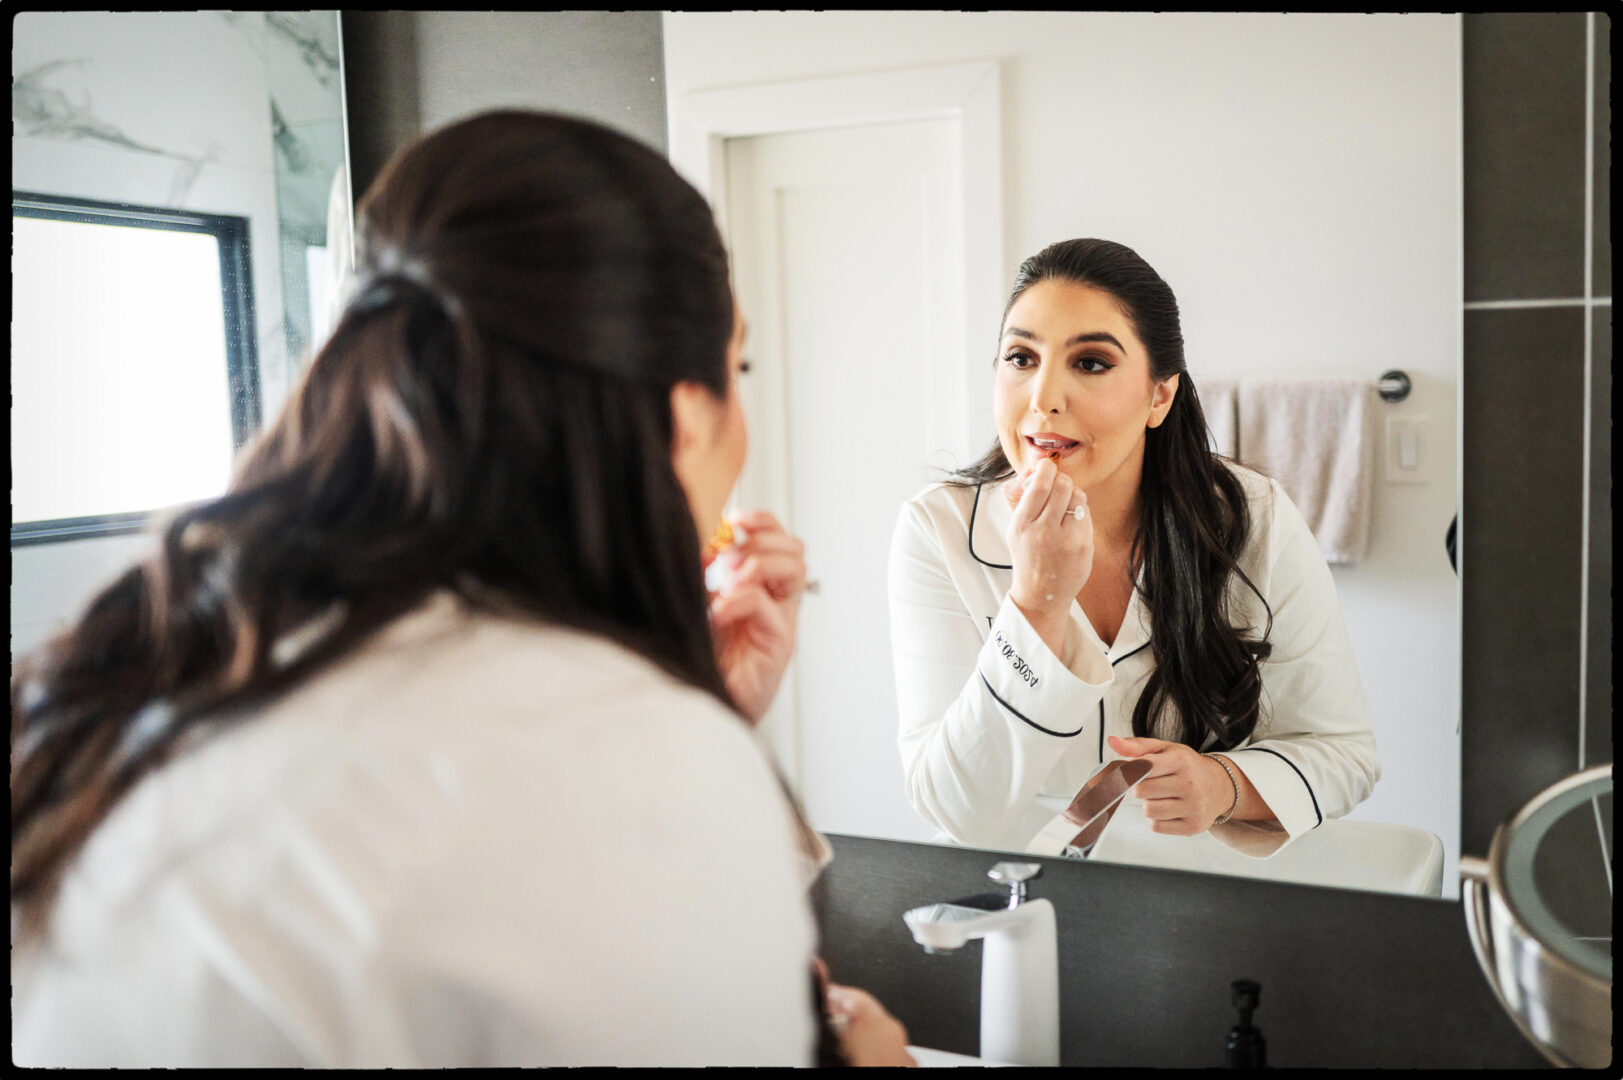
point(1184, 791)
point(753, 616)
point(869, 1036)
point(1050, 548)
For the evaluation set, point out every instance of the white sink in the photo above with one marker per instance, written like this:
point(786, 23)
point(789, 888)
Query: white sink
point(1341, 853)
point(928, 1058)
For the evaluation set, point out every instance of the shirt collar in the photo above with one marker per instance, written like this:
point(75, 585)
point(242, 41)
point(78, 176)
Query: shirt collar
point(988, 526)
point(989, 519)
point(1135, 627)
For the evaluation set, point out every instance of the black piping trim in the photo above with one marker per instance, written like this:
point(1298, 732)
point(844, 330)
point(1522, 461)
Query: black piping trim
point(1113, 663)
point(975, 510)
point(1023, 716)
point(1294, 769)
point(1135, 652)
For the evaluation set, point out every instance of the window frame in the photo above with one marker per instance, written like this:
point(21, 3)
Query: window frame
point(237, 298)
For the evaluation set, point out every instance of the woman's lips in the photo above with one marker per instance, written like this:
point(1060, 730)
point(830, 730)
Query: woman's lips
point(1053, 445)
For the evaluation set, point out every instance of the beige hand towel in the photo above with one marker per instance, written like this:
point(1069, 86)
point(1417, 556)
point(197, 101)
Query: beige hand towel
point(1314, 437)
point(1218, 402)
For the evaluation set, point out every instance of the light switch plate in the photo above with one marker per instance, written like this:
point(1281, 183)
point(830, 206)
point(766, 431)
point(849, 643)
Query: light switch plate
point(1407, 452)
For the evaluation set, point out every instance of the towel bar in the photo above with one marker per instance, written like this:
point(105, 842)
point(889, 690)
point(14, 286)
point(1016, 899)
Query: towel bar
point(1393, 386)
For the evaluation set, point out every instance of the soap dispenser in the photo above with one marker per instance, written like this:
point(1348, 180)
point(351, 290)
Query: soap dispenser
point(1245, 1048)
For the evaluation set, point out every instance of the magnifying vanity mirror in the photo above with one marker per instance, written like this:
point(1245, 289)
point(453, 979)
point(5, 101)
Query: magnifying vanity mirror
point(1539, 912)
point(878, 176)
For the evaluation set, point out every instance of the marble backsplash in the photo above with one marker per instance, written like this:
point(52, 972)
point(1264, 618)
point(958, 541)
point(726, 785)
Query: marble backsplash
point(221, 112)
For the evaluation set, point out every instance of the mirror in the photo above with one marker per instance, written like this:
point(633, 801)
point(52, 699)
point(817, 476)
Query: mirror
point(180, 205)
point(1295, 179)
point(1539, 912)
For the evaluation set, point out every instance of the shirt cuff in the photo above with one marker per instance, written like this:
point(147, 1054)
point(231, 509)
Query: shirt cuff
point(1286, 791)
point(1033, 685)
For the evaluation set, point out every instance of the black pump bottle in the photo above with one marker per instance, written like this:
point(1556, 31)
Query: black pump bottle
point(1245, 1048)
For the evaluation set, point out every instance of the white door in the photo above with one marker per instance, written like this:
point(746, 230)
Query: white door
point(848, 264)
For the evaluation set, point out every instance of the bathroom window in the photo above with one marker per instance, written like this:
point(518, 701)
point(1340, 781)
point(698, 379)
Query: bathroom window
point(133, 378)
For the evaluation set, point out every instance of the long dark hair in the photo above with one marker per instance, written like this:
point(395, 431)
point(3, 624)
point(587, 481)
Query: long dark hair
point(1192, 527)
point(491, 416)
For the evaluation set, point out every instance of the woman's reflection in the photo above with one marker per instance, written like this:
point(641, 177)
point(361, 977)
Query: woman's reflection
point(1102, 585)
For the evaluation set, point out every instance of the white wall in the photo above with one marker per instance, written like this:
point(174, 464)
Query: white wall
point(1296, 179)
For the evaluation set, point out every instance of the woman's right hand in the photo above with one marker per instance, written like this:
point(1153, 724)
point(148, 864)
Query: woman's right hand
point(868, 1034)
point(753, 617)
point(1051, 550)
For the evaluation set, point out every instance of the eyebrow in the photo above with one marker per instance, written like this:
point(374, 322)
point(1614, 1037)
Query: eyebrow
point(1097, 335)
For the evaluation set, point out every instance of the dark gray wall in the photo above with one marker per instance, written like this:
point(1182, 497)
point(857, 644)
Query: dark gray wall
point(1538, 352)
point(380, 89)
point(412, 71)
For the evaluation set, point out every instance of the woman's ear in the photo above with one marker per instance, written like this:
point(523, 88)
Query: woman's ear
point(1161, 400)
point(695, 416)
point(693, 420)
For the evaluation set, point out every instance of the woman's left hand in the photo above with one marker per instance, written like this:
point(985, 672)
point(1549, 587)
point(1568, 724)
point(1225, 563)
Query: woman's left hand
point(753, 616)
point(1184, 791)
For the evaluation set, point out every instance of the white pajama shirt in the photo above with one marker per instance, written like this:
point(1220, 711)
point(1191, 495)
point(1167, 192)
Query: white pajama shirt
point(473, 841)
point(991, 721)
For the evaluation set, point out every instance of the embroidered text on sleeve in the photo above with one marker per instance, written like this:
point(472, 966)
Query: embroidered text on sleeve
point(1021, 668)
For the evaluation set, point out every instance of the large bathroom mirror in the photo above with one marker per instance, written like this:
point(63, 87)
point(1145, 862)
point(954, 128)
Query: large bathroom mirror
point(879, 176)
point(1296, 179)
point(180, 211)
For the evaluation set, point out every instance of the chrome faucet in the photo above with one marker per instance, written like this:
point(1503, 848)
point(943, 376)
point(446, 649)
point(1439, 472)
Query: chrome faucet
point(1019, 963)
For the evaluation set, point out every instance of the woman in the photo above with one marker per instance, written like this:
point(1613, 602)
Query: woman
point(1100, 585)
point(424, 744)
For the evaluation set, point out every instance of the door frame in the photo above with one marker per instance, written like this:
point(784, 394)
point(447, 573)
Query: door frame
point(701, 121)
point(699, 124)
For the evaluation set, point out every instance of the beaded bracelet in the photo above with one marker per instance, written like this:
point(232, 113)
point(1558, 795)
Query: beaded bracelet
point(1233, 780)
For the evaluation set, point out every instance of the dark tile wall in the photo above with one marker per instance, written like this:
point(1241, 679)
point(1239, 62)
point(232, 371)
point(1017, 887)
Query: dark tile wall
point(1525, 111)
point(1521, 538)
point(1603, 155)
point(1524, 156)
point(1349, 980)
point(1598, 738)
